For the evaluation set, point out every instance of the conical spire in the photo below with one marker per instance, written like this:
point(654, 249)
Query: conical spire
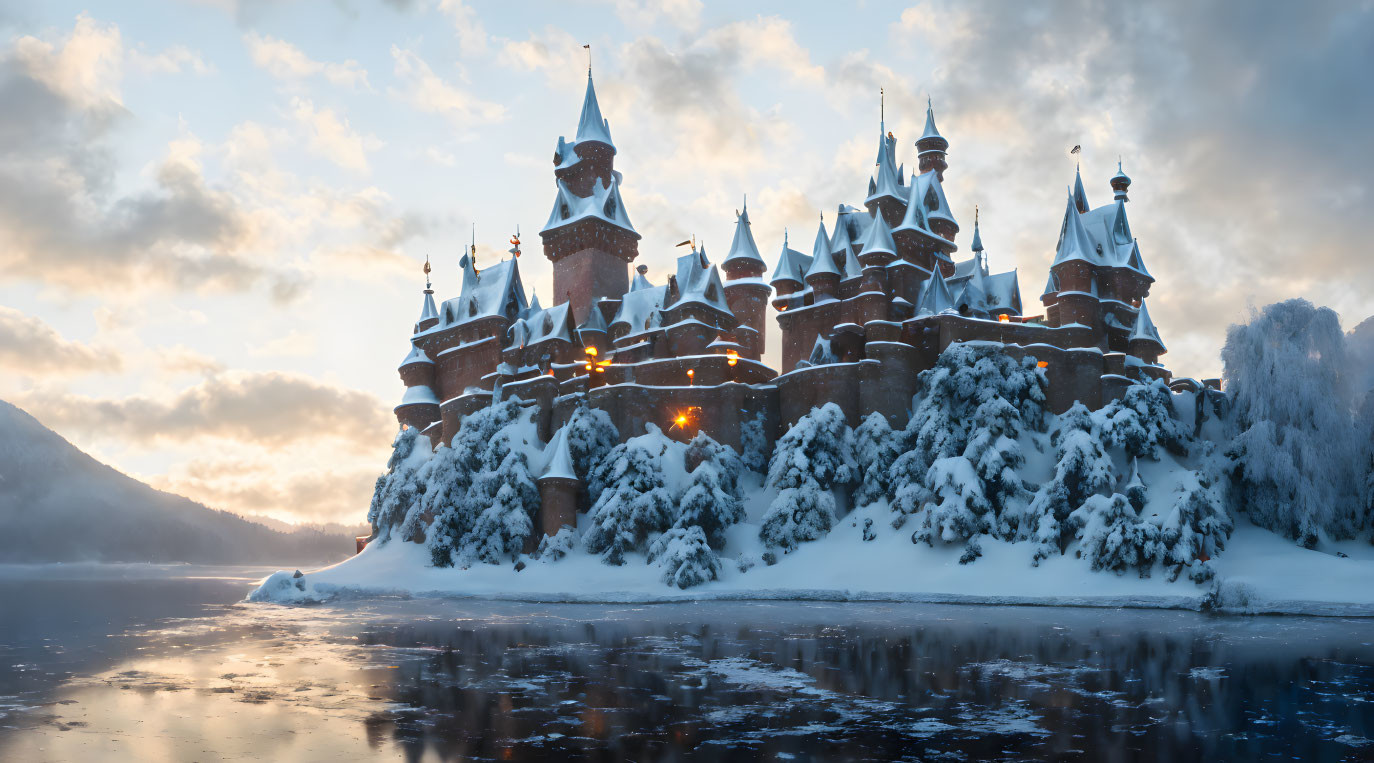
point(743, 247)
point(591, 125)
point(558, 461)
point(1080, 196)
point(1074, 243)
point(788, 268)
point(879, 238)
point(822, 263)
point(428, 310)
point(885, 181)
point(1120, 183)
point(931, 136)
point(1145, 328)
point(977, 237)
point(935, 297)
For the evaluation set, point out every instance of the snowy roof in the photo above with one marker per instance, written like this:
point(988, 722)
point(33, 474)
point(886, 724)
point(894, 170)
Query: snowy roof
point(1120, 175)
point(698, 281)
point(1145, 328)
point(595, 320)
point(1137, 263)
point(1051, 284)
point(1003, 292)
point(927, 191)
point(640, 281)
point(792, 264)
point(821, 353)
point(416, 355)
point(603, 204)
point(977, 245)
point(558, 461)
point(493, 291)
point(1080, 196)
point(916, 218)
point(935, 297)
point(534, 305)
point(965, 268)
point(821, 261)
point(420, 394)
point(879, 238)
point(428, 310)
point(637, 308)
point(591, 125)
point(1074, 242)
point(930, 136)
point(887, 180)
point(541, 325)
point(743, 247)
point(1111, 242)
point(1135, 475)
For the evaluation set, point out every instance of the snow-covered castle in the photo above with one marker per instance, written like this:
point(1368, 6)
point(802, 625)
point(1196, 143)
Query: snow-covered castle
point(880, 295)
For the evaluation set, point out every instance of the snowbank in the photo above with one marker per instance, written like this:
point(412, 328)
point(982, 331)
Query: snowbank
point(1260, 573)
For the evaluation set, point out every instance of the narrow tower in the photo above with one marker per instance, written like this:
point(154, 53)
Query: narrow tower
point(745, 291)
point(931, 147)
point(588, 236)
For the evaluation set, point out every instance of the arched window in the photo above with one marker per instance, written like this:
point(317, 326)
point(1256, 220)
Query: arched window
point(609, 209)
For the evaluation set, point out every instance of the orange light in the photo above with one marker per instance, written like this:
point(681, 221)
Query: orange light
point(1043, 364)
point(605, 362)
point(681, 420)
point(1003, 318)
point(589, 366)
point(591, 352)
point(600, 370)
point(732, 357)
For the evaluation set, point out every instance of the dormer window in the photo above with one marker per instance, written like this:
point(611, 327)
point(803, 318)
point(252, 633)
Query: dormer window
point(472, 308)
point(563, 210)
point(609, 209)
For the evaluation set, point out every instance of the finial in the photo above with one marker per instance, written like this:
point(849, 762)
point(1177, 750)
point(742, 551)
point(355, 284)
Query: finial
point(784, 238)
point(588, 46)
point(746, 202)
point(882, 105)
point(929, 107)
point(427, 269)
point(975, 215)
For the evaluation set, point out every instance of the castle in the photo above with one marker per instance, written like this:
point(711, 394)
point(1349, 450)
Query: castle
point(880, 295)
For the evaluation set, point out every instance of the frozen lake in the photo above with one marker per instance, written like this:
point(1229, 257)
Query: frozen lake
point(166, 664)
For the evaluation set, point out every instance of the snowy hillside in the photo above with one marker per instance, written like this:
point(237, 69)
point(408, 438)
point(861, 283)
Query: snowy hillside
point(59, 504)
point(1196, 499)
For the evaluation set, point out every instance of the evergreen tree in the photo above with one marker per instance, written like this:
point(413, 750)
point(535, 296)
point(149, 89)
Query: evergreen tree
point(1194, 531)
point(711, 499)
point(754, 442)
point(1112, 536)
point(1083, 469)
point(1142, 422)
point(815, 455)
point(591, 436)
point(685, 557)
point(962, 510)
point(633, 503)
point(400, 488)
point(511, 499)
point(876, 446)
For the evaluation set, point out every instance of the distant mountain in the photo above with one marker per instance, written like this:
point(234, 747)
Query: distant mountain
point(59, 504)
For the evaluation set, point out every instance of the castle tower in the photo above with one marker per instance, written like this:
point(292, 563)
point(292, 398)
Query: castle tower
point(558, 486)
point(887, 188)
point(1144, 341)
point(822, 276)
point(1080, 196)
point(745, 291)
point(429, 314)
point(420, 405)
point(1120, 182)
point(588, 236)
point(931, 147)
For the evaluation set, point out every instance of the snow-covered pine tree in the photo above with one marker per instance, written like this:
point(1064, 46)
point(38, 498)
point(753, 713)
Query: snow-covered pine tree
point(1113, 537)
point(400, 488)
point(1135, 489)
point(814, 456)
point(591, 435)
point(962, 510)
point(1294, 443)
point(1142, 422)
point(1083, 469)
point(633, 503)
point(449, 498)
point(755, 443)
point(507, 520)
point(685, 557)
point(876, 446)
point(1194, 531)
point(711, 499)
point(556, 546)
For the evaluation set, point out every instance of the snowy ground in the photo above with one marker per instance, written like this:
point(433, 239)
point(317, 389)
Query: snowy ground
point(1259, 573)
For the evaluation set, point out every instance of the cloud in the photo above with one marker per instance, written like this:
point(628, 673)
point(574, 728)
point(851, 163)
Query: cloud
point(428, 92)
point(332, 138)
point(269, 410)
point(287, 62)
point(173, 60)
point(472, 35)
point(683, 14)
point(63, 219)
point(30, 346)
point(252, 486)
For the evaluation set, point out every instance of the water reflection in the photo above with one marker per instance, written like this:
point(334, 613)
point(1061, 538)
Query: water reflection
point(431, 679)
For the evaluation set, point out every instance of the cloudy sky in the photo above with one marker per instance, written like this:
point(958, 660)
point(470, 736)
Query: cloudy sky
point(213, 212)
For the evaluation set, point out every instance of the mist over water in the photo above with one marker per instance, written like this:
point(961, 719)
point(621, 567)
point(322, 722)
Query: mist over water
point(175, 668)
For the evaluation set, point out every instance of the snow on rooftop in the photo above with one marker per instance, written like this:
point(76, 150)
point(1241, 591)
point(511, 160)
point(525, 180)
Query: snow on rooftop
point(558, 461)
point(743, 246)
point(420, 394)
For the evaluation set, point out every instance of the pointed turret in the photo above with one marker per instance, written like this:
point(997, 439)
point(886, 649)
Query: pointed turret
point(558, 460)
point(744, 260)
point(1145, 333)
point(558, 487)
point(935, 297)
point(931, 147)
point(1080, 196)
point(977, 246)
point(878, 247)
point(886, 190)
point(1120, 183)
point(1074, 243)
point(792, 266)
point(591, 126)
point(429, 313)
point(823, 275)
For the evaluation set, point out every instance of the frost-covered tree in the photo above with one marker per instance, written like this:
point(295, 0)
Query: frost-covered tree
point(970, 409)
point(711, 499)
point(556, 546)
point(504, 500)
point(401, 488)
point(1294, 443)
point(876, 446)
point(1194, 530)
point(633, 503)
point(814, 456)
point(450, 476)
point(591, 435)
point(1113, 537)
point(1142, 422)
point(1083, 469)
point(1135, 489)
point(685, 557)
point(754, 441)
